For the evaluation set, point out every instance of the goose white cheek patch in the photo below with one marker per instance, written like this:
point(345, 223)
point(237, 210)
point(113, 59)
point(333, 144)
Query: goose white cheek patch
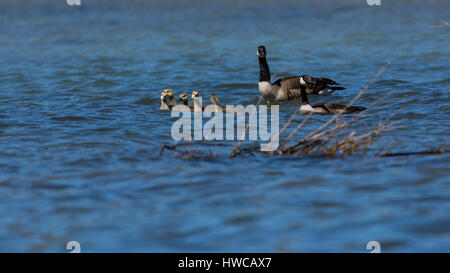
point(302, 82)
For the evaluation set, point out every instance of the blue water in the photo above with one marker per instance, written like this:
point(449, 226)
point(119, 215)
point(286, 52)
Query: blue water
point(81, 129)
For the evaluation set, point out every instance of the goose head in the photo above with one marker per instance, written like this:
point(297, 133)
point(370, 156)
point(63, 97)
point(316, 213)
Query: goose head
point(163, 97)
point(170, 96)
point(195, 95)
point(261, 52)
point(214, 99)
point(169, 93)
point(184, 98)
point(306, 81)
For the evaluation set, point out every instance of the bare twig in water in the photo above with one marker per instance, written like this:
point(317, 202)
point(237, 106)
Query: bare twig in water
point(444, 23)
point(331, 120)
point(429, 152)
point(320, 137)
point(353, 101)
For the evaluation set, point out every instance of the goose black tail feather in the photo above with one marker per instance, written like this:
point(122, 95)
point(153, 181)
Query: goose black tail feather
point(334, 88)
point(354, 109)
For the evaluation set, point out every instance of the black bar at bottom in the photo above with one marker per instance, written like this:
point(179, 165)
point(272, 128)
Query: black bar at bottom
point(221, 262)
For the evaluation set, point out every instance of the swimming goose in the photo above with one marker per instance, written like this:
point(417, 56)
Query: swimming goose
point(288, 88)
point(164, 105)
point(197, 104)
point(322, 108)
point(218, 107)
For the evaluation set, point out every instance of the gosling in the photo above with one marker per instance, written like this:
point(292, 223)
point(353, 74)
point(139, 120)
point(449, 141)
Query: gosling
point(197, 104)
point(217, 106)
point(164, 105)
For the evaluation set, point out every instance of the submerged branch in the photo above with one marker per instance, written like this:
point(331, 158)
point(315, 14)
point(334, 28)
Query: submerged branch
point(429, 152)
point(444, 23)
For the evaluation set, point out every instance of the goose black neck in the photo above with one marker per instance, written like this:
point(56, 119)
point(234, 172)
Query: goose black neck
point(264, 72)
point(304, 96)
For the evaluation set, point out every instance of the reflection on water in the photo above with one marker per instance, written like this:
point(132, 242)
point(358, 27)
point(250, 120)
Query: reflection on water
point(80, 129)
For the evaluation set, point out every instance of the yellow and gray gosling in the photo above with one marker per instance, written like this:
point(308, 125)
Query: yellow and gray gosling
point(222, 108)
point(170, 96)
point(215, 100)
point(164, 105)
point(184, 98)
point(197, 106)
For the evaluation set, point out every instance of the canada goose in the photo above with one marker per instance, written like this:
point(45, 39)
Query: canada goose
point(322, 108)
point(170, 96)
point(164, 105)
point(288, 88)
point(218, 107)
point(197, 104)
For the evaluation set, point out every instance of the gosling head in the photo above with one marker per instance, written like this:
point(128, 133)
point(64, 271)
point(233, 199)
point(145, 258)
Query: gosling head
point(261, 52)
point(163, 95)
point(169, 93)
point(184, 98)
point(195, 94)
point(164, 105)
point(214, 99)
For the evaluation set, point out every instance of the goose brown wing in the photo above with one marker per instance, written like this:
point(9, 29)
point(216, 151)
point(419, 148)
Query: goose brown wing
point(291, 85)
point(288, 83)
point(314, 85)
point(322, 105)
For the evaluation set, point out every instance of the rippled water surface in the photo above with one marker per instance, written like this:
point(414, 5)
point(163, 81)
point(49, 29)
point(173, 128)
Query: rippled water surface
point(80, 126)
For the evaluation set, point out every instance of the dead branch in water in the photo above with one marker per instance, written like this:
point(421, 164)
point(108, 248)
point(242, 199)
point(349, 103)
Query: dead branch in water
point(444, 23)
point(429, 152)
point(319, 140)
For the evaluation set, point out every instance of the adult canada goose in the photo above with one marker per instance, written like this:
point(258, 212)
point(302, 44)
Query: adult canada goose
point(164, 105)
point(218, 107)
point(170, 96)
point(288, 88)
point(197, 104)
point(322, 108)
